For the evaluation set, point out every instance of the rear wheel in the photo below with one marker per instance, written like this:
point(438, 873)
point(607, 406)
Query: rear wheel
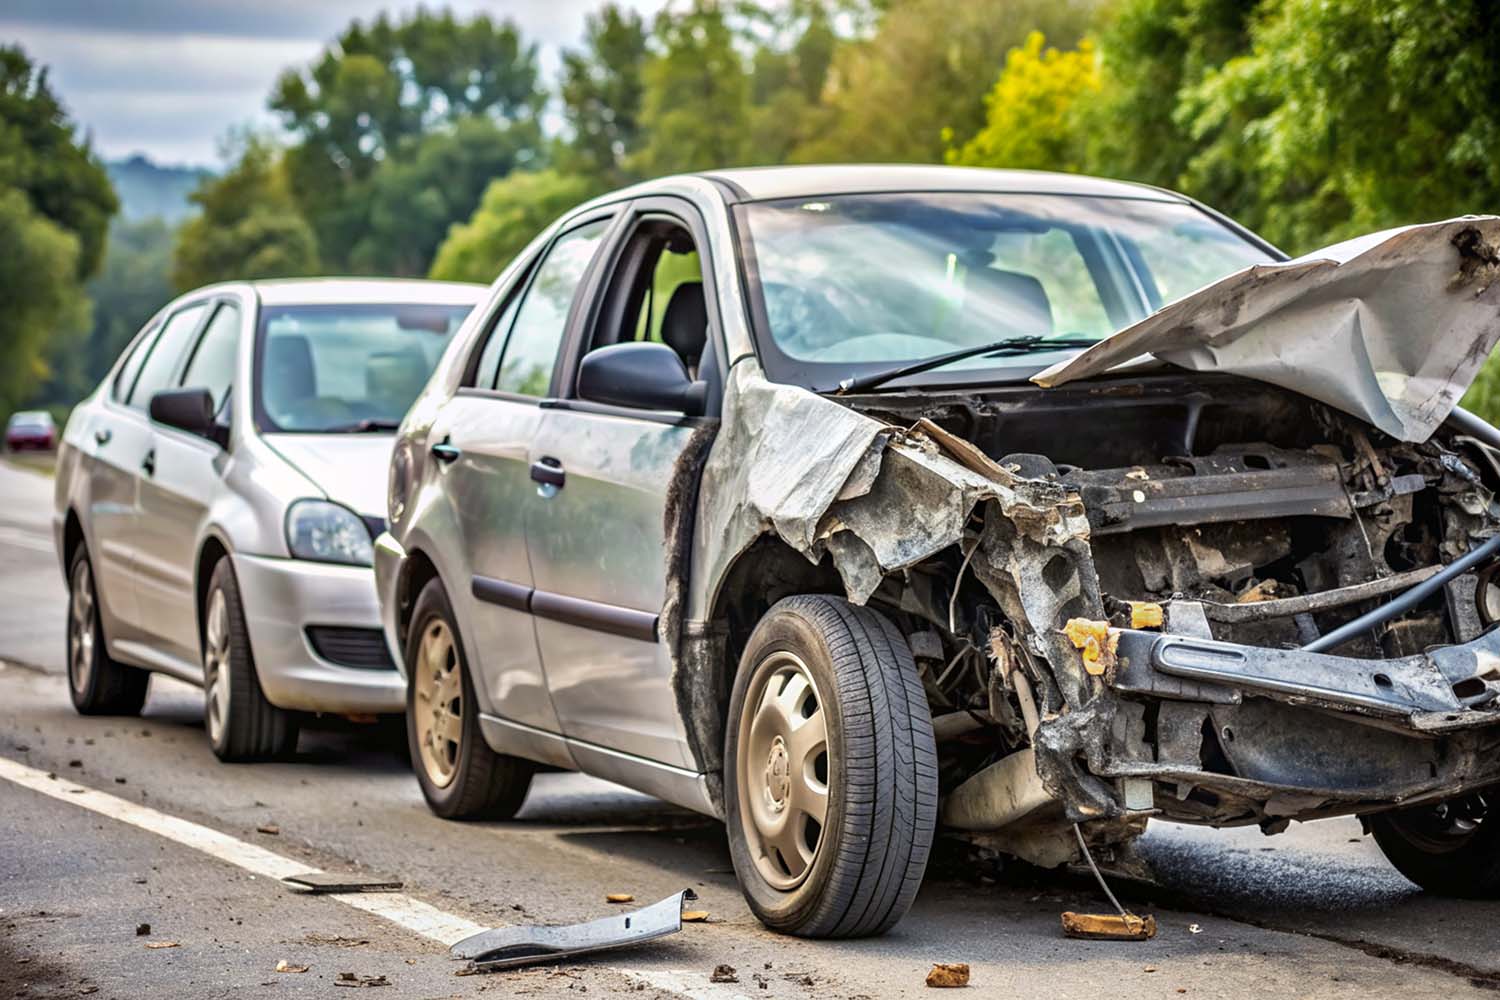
point(460, 775)
point(98, 684)
point(242, 725)
point(830, 773)
point(1451, 848)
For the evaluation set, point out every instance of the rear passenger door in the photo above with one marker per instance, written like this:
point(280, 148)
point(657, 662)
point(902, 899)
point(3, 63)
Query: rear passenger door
point(598, 536)
point(481, 444)
point(186, 473)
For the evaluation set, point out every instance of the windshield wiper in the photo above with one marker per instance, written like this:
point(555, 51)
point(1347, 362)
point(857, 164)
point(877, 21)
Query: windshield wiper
point(365, 427)
point(999, 348)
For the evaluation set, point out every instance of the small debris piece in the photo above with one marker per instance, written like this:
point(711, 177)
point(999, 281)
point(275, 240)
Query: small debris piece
point(162, 944)
point(948, 975)
point(75, 763)
point(1263, 591)
point(723, 974)
point(1194, 929)
point(1095, 641)
point(317, 882)
point(352, 980)
point(119, 781)
point(1145, 614)
point(269, 829)
point(694, 916)
point(1108, 926)
point(619, 897)
point(142, 930)
point(285, 966)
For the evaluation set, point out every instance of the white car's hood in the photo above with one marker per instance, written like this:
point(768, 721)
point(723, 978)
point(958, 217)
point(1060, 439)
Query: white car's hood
point(1391, 327)
point(351, 468)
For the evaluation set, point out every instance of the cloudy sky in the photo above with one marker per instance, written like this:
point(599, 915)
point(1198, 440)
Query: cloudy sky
point(169, 78)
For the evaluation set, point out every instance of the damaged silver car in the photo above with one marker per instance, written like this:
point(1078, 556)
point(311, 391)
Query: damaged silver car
point(742, 490)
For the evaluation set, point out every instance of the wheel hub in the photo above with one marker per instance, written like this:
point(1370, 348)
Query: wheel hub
point(778, 775)
point(437, 687)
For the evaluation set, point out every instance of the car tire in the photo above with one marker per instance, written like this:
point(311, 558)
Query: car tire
point(817, 661)
point(242, 725)
point(99, 685)
point(461, 776)
point(1449, 849)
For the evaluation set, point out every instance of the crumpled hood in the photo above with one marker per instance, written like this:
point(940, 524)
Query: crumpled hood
point(1391, 327)
point(353, 469)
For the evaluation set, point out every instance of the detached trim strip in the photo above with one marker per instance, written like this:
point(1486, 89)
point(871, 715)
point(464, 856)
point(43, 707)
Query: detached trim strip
point(611, 618)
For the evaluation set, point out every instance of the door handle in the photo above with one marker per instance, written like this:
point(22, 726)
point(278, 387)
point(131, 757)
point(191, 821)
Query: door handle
point(148, 464)
point(548, 472)
point(102, 438)
point(445, 452)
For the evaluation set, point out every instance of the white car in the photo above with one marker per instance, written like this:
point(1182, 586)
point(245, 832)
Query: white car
point(217, 496)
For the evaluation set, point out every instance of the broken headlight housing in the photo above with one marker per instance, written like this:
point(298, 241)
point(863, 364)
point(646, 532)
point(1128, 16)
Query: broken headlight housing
point(327, 532)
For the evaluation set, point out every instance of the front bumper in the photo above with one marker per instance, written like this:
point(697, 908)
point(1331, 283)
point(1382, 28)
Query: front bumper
point(1221, 733)
point(282, 598)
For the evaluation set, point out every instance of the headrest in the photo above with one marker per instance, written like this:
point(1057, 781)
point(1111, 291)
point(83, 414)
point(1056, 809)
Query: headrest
point(684, 326)
point(1008, 302)
point(287, 375)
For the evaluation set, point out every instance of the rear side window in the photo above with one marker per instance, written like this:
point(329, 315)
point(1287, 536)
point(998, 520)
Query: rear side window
point(531, 349)
point(212, 363)
point(156, 373)
point(132, 367)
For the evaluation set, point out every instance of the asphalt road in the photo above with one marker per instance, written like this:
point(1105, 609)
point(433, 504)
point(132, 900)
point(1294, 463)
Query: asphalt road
point(100, 848)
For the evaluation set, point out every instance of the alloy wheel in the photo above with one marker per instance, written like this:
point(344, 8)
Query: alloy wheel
point(438, 714)
point(216, 665)
point(81, 629)
point(783, 766)
point(1446, 826)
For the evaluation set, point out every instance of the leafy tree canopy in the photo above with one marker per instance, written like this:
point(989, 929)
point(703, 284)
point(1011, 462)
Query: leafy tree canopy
point(514, 210)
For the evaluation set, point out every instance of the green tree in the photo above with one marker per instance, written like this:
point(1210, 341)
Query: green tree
point(374, 94)
point(697, 97)
point(917, 85)
point(789, 68)
point(1032, 110)
point(39, 286)
point(248, 225)
point(514, 210)
point(55, 204)
point(602, 89)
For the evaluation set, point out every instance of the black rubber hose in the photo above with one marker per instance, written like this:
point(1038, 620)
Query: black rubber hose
point(1406, 601)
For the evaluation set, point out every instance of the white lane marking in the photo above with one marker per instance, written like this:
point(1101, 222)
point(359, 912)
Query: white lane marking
point(21, 539)
point(397, 907)
point(678, 982)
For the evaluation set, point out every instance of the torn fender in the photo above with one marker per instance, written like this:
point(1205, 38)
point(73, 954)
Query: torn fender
point(1391, 327)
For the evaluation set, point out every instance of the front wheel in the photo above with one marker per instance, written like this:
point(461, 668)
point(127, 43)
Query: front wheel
point(1451, 848)
point(98, 684)
point(460, 775)
point(830, 771)
point(242, 725)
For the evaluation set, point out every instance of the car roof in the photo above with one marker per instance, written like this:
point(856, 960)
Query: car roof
point(30, 415)
point(335, 291)
point(769, 183)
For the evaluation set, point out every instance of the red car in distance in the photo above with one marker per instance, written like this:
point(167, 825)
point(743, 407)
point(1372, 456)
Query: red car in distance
point(30, 429)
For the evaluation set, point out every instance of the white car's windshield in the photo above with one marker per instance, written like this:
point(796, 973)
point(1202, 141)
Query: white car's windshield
point(347, 368)
point(858, 281)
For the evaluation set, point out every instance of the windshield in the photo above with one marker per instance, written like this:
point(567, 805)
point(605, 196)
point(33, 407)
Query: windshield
point(857, 283)
point(346, 368)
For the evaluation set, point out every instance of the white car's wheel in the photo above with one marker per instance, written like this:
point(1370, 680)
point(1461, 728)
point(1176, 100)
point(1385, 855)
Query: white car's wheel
point(242, 725)
point(830, 770)
point(98, 684)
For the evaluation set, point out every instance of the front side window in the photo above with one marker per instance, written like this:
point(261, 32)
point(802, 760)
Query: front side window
point(882, 279)
point(166, 353)
point(325, 369)
point(531, 349)
point(212, 365)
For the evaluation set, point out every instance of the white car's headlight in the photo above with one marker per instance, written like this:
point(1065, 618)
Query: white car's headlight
point(327, 532)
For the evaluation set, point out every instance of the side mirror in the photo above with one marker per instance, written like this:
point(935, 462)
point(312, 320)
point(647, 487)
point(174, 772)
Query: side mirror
point(190, 410)
point(643, 375)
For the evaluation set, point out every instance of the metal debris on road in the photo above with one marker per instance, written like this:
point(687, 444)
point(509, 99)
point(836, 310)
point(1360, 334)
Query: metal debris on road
point(1121, 925)
point(285, 966)
point(350, 979)
point(724, 974)
point(326, 882)
point(509, 947)
point(948, 975)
